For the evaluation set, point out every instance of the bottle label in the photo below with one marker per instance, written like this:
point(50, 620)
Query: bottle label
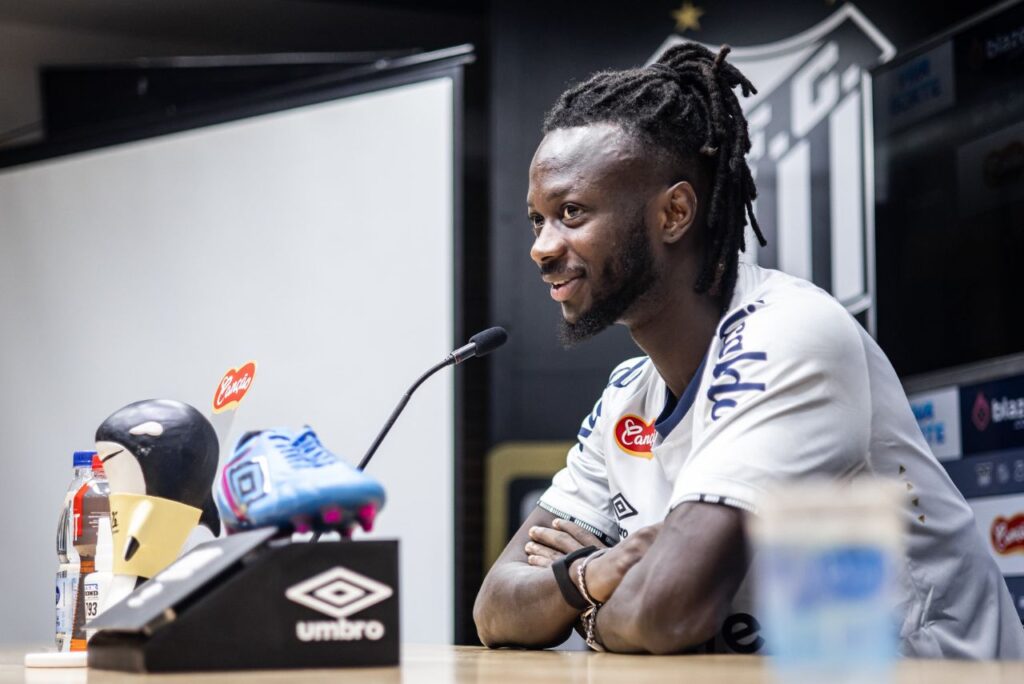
point(92, 600)
point(61, 604)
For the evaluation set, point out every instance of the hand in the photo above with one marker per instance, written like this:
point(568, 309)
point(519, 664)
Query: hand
point(604, 574)
point(548, 544)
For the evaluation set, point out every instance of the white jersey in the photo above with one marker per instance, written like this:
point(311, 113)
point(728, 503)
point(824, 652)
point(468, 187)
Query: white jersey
point(791, 386)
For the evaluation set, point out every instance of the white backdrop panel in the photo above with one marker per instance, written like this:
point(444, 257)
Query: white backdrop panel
point(316, 241)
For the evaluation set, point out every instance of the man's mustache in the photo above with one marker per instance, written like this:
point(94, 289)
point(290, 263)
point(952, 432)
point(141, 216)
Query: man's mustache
point(559, 269)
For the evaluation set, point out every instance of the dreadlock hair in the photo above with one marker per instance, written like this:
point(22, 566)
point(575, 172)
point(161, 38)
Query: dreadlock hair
point(684, 111)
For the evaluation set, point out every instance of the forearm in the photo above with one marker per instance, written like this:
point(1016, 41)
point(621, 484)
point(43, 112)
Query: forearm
point(674, 598)
point(617, 620)
point(521, 605)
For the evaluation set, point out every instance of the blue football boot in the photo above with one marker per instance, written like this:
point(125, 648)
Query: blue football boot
point(277, 478)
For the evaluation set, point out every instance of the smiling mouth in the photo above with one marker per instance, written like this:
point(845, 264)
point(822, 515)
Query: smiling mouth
point(562, 283)
point(564, 290)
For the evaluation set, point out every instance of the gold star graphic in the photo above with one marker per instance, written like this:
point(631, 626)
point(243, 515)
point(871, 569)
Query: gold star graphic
point(687, 17)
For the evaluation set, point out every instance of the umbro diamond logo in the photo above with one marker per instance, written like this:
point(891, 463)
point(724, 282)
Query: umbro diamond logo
point(623, 509)
point(338, 592)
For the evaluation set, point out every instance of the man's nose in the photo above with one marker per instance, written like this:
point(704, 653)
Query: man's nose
point(548, 245)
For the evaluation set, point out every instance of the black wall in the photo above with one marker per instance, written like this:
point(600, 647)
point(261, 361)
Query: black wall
point(538, 390)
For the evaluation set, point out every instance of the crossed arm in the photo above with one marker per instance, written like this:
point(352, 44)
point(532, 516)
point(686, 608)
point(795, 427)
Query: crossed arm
point(665, 588)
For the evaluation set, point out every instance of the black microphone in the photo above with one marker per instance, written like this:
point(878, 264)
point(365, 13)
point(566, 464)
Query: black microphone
point(481, 344)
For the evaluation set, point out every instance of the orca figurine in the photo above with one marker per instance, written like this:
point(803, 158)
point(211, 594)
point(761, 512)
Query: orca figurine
point(162, 448)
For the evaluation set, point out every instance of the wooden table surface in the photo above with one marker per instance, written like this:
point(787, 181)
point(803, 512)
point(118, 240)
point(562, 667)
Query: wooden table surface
point(469, 665)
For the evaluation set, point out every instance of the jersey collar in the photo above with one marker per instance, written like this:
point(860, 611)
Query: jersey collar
point(675, 411)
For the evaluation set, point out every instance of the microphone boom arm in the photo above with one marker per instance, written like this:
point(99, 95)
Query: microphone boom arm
point(448, 360)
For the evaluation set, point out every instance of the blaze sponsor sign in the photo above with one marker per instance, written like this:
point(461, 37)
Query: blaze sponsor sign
point(992, 415)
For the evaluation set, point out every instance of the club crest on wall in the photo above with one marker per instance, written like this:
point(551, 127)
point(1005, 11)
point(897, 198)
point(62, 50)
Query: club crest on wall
point(811, 151)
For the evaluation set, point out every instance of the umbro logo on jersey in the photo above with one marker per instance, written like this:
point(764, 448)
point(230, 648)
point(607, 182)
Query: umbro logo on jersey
point(635, 436)
point(338, 593)
point(623, 509)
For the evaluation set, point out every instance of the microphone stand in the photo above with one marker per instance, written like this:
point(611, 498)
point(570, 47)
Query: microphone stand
point(448, 360)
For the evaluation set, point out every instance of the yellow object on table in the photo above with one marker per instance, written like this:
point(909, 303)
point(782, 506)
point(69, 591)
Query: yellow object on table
point(159, 526)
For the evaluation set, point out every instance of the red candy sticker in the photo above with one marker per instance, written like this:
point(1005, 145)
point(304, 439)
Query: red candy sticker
point(635, 436)
point(1008, 534)
point(233, 386)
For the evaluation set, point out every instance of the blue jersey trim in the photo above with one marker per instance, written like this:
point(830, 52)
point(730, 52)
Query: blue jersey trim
point(675, 411)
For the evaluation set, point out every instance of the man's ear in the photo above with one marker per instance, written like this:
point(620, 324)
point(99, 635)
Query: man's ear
point(679, 211)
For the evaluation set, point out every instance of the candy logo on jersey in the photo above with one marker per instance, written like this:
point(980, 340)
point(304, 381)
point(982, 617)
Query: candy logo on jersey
point(635, 436)
point(732, 359)
point(809, 150)
point(1008, 534)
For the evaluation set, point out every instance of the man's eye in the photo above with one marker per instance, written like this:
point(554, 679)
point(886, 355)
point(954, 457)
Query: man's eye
point(571, 212)
point(537, 221)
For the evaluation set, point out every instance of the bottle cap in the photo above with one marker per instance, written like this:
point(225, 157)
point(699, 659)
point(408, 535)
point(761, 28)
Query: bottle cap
point(83, 459)
point(97, 464)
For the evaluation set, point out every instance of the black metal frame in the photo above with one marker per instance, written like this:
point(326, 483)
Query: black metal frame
point(906, 55)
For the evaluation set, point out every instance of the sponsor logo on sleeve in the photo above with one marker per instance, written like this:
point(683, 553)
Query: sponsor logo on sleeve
point(734, 360)
point(589, 424)
point(624, 377)
point(635, 436)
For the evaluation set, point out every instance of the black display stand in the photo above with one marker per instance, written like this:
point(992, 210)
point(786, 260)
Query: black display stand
point(248, 602)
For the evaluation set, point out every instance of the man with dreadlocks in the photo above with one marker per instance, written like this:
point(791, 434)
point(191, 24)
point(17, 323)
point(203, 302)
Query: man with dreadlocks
point(639, 196)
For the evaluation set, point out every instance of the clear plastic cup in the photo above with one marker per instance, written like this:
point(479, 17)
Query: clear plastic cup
point(826, 562)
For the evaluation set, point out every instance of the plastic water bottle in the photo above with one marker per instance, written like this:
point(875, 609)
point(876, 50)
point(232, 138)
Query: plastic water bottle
point(97, 582)
point(68, 565)
point(91, 505)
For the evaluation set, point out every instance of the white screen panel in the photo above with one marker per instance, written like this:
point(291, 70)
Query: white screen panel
point(316, 241)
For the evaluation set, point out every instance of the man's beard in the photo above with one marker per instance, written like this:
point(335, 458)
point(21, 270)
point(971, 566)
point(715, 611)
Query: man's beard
point(625, 279)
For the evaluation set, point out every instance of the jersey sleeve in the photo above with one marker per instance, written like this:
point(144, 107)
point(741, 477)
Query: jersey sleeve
point(580, 492)
point(786, 397)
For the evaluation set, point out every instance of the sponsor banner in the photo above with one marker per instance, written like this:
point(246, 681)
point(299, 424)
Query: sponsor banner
point(989, 475)
point(921, 87)
point(992, 415)
point(938, 416)
point(989, 171)
point(1016, 587)
point(1000, 520)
